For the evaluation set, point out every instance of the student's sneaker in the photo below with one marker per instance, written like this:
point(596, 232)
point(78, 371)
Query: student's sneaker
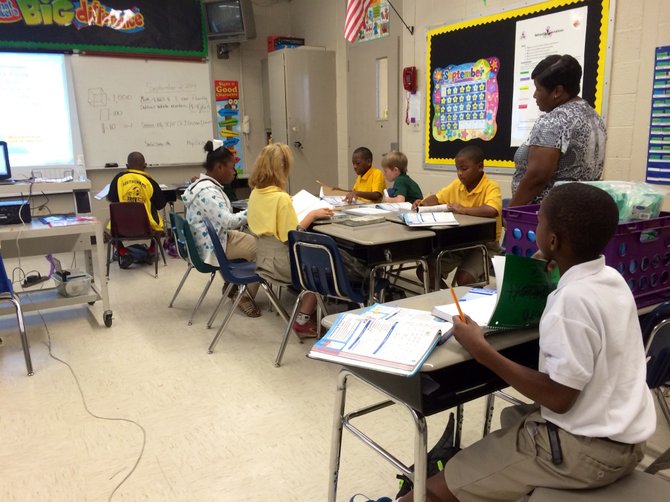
point(307, 330)
point(383, 499)
point(437, 457)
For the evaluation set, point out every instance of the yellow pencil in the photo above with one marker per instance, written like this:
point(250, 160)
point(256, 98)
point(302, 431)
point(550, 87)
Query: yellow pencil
point(458, 305)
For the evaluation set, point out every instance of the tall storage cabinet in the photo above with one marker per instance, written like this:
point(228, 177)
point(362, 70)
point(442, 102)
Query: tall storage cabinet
point(301, 87)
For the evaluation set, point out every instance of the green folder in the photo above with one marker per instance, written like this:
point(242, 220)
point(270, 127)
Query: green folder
point(523, 287)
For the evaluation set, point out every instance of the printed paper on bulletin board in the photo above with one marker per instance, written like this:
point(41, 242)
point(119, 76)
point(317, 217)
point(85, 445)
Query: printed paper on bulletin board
point(478, 85)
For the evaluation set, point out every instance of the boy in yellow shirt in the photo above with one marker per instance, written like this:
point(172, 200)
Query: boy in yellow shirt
point(370, 183)
point(475, 194)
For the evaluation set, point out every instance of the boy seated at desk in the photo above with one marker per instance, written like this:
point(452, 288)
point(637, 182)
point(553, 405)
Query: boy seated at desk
point(405, 189)
point(370, 183)
point(472, 193)
point(593, 410)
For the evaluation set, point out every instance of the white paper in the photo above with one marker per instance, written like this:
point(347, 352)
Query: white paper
point(440, 208)
point(536, 38)
point(366, 211)
point(304, 203)
point(428, 219)
point(479, 310)
point(395, 206)
point(102, 193)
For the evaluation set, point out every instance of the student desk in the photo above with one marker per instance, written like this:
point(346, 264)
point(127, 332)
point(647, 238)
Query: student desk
point(36, 238)
point(382, 245)
point(448, 378)
point(470, 233)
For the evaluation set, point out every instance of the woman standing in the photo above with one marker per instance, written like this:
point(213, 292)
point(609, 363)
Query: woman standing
point(567, 143)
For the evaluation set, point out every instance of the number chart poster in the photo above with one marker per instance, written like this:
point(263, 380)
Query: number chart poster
point(472, 81)
point(227, 95)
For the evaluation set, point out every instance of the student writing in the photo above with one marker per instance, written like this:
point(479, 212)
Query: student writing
point(472, 193)
point(370, 184)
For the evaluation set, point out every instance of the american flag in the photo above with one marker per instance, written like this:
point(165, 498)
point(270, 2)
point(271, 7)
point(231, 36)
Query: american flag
point(354, 18)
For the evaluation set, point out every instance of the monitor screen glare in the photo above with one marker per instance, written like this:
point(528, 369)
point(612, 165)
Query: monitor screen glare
point(5, 171)
point(225, 17)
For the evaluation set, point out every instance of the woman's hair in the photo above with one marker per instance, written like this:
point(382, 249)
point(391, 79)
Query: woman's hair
point(557, 70)
point(395, 159)
point(272, 167)
point(221, 154)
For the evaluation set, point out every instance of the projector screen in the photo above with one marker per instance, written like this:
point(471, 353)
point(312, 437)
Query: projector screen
point(38, 119)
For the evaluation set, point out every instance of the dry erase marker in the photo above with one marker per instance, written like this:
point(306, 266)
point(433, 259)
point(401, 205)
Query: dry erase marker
point(458, 305)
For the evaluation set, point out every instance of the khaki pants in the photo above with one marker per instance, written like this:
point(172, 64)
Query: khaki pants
point(242, 246)
point(511, 462)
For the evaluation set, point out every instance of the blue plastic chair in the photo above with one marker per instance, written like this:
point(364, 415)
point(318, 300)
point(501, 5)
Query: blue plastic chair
point(239, 274)
point(317, 267)
point(7, 295)
point(184, 234)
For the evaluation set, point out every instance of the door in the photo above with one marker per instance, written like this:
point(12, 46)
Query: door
point(303, 114)
point(373, 95)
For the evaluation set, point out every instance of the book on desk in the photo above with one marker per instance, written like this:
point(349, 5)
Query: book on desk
point(424, 219)
point(384, 338)
point(523, 286)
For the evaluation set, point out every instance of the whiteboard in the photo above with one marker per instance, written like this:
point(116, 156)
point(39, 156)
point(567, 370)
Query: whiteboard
point(159, 108)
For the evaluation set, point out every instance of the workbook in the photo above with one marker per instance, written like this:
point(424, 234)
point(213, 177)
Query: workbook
point(428, 219)
point(523, 287)
point(304, 202)
point(395, 206)
point(383, 338)
point(439, 208)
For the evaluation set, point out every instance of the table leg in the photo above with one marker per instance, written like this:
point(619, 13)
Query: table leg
point(100, 277)
point(336, 437)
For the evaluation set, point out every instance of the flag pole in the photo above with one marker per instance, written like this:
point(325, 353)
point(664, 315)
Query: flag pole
point(409, 28)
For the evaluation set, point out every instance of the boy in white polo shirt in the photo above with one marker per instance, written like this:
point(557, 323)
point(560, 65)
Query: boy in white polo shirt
point(593, 409)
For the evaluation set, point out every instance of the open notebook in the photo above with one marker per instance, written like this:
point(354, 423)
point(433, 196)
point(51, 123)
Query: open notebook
point(523, 287)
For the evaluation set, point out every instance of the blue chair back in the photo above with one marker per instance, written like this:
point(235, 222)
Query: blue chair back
point(234, 272)
point(656, 336)
point(316, 265)
point(192, 248)
point(5, 283)
point(177, 226)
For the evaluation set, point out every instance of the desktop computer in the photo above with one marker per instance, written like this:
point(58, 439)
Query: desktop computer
point(15, 211)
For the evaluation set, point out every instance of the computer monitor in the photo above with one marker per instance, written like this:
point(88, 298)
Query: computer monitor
point(5, 170)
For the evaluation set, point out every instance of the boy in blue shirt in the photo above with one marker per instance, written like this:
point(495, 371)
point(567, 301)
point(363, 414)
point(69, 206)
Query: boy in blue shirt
point(593, 410)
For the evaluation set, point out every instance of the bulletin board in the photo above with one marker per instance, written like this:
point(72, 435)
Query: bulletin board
point(478, 85)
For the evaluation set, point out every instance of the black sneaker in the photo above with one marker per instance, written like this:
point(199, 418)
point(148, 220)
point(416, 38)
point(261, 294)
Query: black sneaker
point(437, 457)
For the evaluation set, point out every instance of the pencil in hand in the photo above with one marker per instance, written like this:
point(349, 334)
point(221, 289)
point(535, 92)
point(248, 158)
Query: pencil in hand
point(458, 305)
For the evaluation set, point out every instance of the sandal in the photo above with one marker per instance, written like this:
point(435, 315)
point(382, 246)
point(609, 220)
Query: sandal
point(248, 307)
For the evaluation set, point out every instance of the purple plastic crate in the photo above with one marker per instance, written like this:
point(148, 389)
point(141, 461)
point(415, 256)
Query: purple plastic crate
point(639, 250)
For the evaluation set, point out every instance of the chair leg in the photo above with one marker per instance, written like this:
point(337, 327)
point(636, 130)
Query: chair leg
point(224, 297)
point(662, 403)
point(274, 300)
point(109, 254)
point(242, 290)
point(160, 248)
point(181, 283)
point(24, 336)
point(201, 298)
point(289, 328)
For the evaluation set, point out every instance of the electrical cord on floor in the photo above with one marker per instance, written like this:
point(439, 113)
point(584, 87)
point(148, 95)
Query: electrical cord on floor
point(98, 417)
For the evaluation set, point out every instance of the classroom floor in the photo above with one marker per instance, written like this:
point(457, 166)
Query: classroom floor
point(222, 427)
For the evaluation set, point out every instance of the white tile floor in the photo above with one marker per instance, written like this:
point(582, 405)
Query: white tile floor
point(222, 427)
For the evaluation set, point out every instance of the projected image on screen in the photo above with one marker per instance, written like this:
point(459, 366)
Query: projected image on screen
point(465, 101)
point(35, 118)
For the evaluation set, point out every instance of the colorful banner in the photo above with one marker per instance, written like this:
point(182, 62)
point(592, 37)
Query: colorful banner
point(376, 24)
point(465, 101)
point(227, 96)
point(164, 27)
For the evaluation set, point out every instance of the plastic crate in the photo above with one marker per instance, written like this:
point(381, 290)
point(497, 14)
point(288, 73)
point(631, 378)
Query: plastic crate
point(639, 250)
point(76, 286)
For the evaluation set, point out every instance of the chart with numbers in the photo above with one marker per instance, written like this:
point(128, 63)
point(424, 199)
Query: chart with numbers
point(658, 156)
point(465, 101)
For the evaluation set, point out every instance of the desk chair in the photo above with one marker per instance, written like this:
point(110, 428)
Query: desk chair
point(184, 239)
point(656, 335)
point(317, 267)
point(129, 222)
point(7, 295)
point(240, 274)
